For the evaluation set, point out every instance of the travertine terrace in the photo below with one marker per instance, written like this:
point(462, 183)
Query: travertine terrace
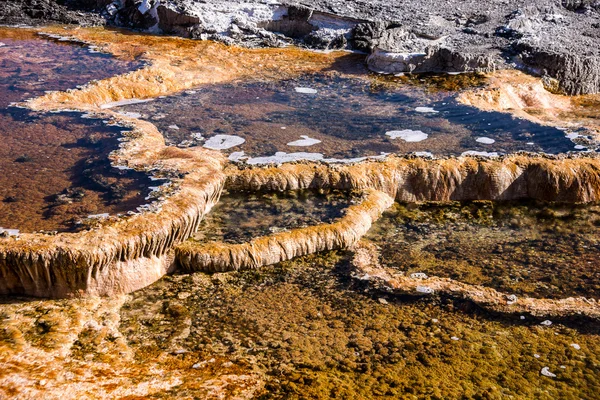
point(402, 275)
point(127, 253)
point(367, 268)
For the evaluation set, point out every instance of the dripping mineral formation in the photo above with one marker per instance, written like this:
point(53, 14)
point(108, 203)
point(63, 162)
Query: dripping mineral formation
point(123, 254)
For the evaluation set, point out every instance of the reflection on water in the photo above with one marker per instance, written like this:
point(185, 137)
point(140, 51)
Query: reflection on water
point(239, 218)
point(537, 250)
point(55, 169)
point(30, 65)
point(342, 118)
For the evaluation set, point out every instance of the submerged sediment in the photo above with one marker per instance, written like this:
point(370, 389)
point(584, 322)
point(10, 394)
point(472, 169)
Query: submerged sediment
point(366, 267)
point(272, 249)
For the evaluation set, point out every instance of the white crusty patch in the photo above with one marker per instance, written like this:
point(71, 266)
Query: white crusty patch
point(546, 372)
point(282, 157)
point(408, 135)
point(124, 103)
point(99, 216)
point(237, 156)
point(424, 290)
point(130, 114)
point(223, 142)
point(426, 110)
point(305, 90)
point(304, 142)
point(9, 232)
point(485, 140)
point(427, 154)
point(479, 153)
point(572, 136)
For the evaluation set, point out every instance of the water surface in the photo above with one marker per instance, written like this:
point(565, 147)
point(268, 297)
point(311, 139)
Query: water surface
point(528, 249)
point(239, 218)
point(339, 118)
point(55, 167)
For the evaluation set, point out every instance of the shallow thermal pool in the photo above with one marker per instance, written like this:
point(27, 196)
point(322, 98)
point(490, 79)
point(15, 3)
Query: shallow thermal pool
point(55, 167)
point(31, 64)
point(529, 249)
point(329, 117)
point(56, 172)
point(239, 218)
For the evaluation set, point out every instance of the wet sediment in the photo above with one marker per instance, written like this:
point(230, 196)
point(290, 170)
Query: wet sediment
point(57, 175)
point(302, 328)
point(367, 267)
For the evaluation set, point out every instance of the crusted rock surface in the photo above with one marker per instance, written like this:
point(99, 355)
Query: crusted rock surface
point(29, 12)
point(558, 40)
point(409, 179)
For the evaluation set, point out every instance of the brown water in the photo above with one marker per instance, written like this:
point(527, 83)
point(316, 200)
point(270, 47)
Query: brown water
point(55, 169)
point(537, 250)
point(348, 117)
point(31, 64)
point(56, 172)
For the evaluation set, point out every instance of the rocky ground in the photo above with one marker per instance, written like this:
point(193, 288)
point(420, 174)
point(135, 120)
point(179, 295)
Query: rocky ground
point(551, 38)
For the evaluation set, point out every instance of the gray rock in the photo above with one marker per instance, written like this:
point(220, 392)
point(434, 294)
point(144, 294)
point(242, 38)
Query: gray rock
point(559, 41)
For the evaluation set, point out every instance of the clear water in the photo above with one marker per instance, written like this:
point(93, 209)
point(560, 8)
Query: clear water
point(239, 218)
point(536, 250)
